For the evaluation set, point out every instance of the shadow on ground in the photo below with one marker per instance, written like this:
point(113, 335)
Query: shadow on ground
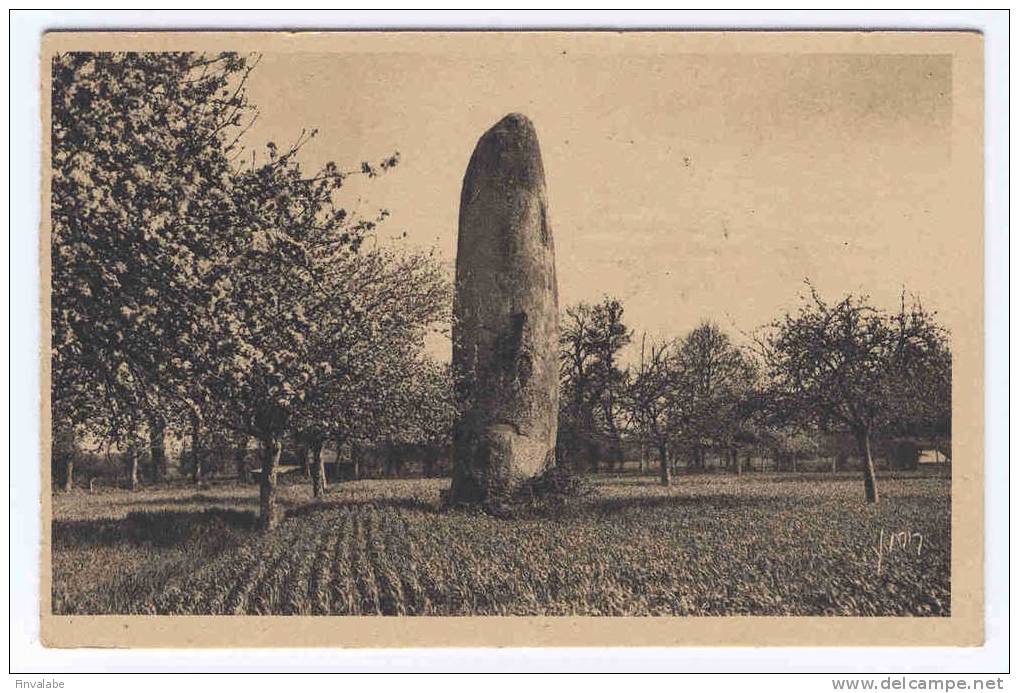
point(399, 503)
point(191, 500)
point(587, 504)
point(157, 528)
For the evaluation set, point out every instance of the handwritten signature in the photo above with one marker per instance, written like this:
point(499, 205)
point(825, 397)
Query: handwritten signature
point(906, 541)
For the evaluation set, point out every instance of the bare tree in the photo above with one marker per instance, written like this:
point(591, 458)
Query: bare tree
point(592, 381)
point(851, 365)
point(652, 400)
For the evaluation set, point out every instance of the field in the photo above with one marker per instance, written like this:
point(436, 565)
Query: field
point(763, 544)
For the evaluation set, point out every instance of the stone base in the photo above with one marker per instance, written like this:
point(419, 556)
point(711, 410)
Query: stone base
point(491, 464)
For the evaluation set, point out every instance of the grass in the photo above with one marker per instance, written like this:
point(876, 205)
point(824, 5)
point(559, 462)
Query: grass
point(710, 545)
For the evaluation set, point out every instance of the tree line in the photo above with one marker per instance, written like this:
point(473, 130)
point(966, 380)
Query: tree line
point(828, 368)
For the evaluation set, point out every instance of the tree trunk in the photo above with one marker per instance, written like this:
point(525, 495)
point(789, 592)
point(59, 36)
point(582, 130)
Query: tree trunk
point(593, 454)
point(392, 460)
point(643, 458)
point(241, 459)
point(131, 460)
point(318, 470)
point(737, 463)
point(157, 449)
point(68, 471)
point(268, 515)
point(355, 461)
point(869, 477)
point(615, 440)
point(665, 473)
point(336, 462)
point(63, 451)
point(196, 451)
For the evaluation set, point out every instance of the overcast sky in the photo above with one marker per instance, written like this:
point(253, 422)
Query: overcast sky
point(688, 186)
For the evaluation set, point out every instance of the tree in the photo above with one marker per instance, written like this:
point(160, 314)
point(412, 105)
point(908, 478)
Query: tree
point(591, 337)
point(654, 400)
point(64, 454)
point(371, 381)
point(430, 406)
point(240, 450)
point(608, 336)
point(140, 147)
point(852, 365)
point(789, 444)
point(576, 423)
point(157, 446)
point(720, 378)
point(281, 311)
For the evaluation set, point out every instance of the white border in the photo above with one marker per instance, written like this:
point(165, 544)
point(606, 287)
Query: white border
point(27, 655)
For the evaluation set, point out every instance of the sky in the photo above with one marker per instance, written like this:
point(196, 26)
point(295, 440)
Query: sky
point(688, 186)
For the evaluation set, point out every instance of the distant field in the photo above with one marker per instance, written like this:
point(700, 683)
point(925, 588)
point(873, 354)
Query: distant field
point(764, 544)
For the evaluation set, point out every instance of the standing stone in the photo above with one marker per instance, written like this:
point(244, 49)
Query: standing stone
point(505, 319)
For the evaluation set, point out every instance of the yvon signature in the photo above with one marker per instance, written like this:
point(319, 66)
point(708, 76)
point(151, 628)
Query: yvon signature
point(906, 541)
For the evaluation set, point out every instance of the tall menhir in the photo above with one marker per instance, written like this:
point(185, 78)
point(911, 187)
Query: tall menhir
point(505, 319)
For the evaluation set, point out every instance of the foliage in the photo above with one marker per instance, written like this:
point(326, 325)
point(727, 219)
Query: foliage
point(717, 382)
point(199, 288)
point(372, 381)
point(851, 366)
point(140, 145)
point(283, 313)
point(430, 405)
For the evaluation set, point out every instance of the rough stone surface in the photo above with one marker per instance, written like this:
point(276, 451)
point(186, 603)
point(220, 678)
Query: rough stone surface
point(506, 319)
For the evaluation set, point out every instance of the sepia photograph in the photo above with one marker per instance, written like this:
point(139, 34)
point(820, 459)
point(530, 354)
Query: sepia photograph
point(550, 327)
